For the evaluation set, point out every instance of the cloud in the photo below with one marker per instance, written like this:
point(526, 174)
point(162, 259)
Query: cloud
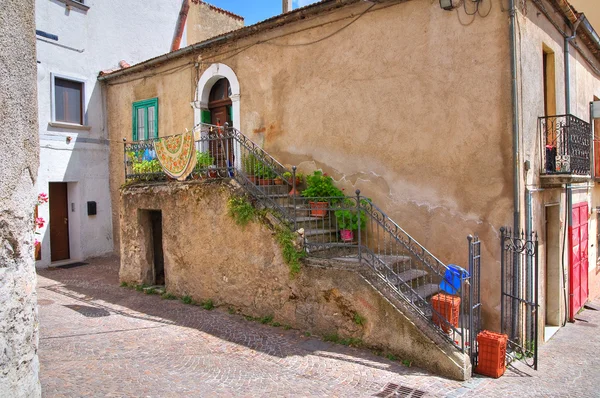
point(302, 3)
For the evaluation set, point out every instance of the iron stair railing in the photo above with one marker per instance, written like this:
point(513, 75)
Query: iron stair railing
point(395, 256)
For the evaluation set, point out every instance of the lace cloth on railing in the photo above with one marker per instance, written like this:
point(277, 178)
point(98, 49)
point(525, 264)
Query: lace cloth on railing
point(176, 155)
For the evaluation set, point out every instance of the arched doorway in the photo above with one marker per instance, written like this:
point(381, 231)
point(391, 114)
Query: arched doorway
point(219, 103)
point(219, 106)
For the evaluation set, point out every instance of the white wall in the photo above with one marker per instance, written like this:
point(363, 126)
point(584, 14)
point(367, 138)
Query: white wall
point(111, 30)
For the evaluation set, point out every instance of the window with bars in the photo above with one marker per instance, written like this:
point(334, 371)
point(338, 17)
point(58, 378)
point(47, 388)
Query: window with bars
point(145, 119)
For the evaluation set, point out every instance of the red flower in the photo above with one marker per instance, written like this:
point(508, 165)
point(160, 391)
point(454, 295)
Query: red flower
point(39, 222)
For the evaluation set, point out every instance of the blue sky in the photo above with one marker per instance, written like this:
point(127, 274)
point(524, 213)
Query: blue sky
point(256, 10)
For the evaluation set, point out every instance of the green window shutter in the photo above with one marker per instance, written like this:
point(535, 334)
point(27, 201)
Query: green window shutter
point(205, 116)
point(134, 135)
point(145, 119)
point(230, 112)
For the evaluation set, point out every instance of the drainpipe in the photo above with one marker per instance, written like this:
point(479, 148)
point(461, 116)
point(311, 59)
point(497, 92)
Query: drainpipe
point(567, 50)
point(183, 13)
point(516, 160)
point(569, 190)
point(515, 119)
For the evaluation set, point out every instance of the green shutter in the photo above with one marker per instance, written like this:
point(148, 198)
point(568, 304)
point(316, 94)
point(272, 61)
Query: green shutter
point(134, 136)
point(145, 105)
point(230, 111)
point(205, 116)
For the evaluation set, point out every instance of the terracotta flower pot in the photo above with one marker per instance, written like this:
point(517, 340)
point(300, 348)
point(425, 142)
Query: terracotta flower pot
point(347, 235)
point(278, 181)
point(253, 179)
point(212, 173)
point(318, 209)
point(264, 181)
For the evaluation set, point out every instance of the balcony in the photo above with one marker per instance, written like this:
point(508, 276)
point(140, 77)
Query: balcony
point(566, 150)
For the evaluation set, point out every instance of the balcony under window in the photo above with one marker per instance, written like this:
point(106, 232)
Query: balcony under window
point(566, 150)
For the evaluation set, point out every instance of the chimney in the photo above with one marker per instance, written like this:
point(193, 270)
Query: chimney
point(287, 5)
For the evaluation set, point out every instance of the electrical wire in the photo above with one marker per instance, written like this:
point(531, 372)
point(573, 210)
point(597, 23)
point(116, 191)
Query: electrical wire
point(329, 35)
point(162, 72)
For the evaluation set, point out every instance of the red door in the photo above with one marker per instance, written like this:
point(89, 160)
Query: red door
point(578, 270)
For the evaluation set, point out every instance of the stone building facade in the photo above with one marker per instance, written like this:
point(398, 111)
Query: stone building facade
point(411, 104)
point(19, 366)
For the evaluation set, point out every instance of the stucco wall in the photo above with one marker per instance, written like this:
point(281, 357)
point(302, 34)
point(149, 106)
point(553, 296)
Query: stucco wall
point(536, 32)
point(19, 365)
point(205, 21)
point(405, 103)
point(97, 40)
point(208, 256)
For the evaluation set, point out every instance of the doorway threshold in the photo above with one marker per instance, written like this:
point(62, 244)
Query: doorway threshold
point(60, 263)
point(550, 331)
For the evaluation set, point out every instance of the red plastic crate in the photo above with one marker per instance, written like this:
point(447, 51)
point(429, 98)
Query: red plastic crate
point(448, 307)
point(491, 359)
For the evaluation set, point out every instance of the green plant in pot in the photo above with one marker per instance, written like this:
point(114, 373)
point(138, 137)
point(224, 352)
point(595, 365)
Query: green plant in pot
point(264, 174)
point(146, 167)
point(320, 188)
point(348, 221)
point(250, 165)
point(203, 161)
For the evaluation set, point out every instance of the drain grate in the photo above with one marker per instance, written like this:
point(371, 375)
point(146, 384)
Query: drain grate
point(392, 390)
point(90, 312)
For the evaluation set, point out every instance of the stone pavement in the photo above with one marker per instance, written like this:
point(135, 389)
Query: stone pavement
point(102, 340)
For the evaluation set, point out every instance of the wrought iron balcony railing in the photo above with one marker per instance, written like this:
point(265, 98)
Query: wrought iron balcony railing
point(565, 141)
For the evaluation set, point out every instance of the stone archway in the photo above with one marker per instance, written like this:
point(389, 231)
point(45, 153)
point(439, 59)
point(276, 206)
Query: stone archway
point(210, 76)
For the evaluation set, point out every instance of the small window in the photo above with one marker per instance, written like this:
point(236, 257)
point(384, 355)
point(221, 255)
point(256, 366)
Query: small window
point(145, 119)
point(68, 101)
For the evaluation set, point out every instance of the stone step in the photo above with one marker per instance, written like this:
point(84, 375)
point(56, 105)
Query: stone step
point(320, 232)
point(392, 260)
point(412, 274)
point(427, 290)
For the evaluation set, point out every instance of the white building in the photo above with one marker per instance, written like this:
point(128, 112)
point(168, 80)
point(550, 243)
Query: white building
point(75, 41)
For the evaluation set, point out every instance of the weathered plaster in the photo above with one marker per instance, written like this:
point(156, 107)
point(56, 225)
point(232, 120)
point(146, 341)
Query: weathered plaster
point(208, 256)
point(535, 32)
point(19, 364)
point(204, 22)
point(405, 103)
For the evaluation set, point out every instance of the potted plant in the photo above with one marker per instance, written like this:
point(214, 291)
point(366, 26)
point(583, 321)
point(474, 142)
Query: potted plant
point(265, 174)
point(348, 221)
point(320, 188)
point(288, 177)
point(278, 180)
point(249, 164)
point(203, 162)
point(39, 223)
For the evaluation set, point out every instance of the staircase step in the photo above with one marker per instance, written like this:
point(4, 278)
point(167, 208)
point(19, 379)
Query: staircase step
point(317, 232)
point(412, 274)
point(309, 218)
point(390, 260)
point(427, 290)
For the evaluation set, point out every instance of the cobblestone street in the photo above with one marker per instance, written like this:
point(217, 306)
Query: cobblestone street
point(102, 340)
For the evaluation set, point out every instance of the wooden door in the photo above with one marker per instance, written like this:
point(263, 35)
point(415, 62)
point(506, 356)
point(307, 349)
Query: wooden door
point(59, 221)
point(578, 269)
point(221, 150)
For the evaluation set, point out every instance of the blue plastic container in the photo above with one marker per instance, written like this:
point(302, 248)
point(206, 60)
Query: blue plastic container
point(452, 279)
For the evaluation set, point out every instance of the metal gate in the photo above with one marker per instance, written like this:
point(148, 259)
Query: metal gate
point(519, 300)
